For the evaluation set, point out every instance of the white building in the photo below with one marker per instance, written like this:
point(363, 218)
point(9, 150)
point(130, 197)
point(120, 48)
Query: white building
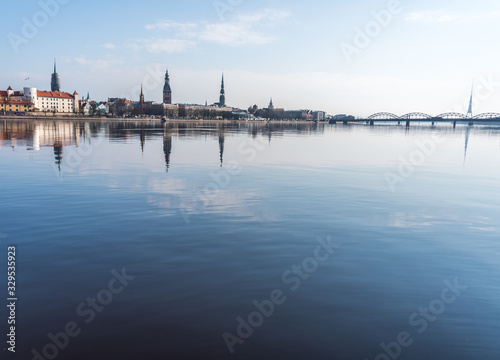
point(49, 101)
point(55, 101)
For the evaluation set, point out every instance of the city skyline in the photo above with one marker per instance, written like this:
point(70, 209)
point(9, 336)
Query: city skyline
point(421, 57)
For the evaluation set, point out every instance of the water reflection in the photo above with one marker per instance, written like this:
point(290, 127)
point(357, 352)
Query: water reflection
point(221, 146)
point(35, 135)
point(467, 134)
point(167, 146)
point(205, 242)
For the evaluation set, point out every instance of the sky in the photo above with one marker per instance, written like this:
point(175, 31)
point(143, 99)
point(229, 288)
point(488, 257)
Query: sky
point(354, 57)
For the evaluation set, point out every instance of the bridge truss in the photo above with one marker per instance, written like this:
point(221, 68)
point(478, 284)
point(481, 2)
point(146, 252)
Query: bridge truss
point(452, 116)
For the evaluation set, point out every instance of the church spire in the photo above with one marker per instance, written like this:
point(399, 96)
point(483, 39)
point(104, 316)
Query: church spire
point(141, 102)
point(167, 91)
point(55, 83)
point(469, 112)
point(271, 105)
point(222, 98)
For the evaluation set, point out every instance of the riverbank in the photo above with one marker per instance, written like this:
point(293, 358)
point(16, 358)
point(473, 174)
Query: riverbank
point(135, 120)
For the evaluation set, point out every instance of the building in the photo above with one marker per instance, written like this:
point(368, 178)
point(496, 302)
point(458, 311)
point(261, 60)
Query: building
point(222, 97)
point(141, 102)
point(120, 106)
point(55, 83)
point(14, 101)
point(319, 115)
point(102, 109)
point(167, 91)
point(298, 115)
point(57, 102)
point(86, 108)
point(271, 105)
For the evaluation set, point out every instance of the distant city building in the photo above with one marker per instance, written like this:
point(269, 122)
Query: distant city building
point(120, 106)
point(167, 91)
point(31, 99)
point(222, 97)
point(56, 101)
point(15, 101)
point(298, 115)
point(271, 108)
point(319, 115)
point(55, 83)
point(86, 106)
point(141, 102)
point(102, 109)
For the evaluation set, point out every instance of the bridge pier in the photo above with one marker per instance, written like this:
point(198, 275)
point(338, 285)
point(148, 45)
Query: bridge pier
point(346, 122)
point(333, 122)
point(372, 123)
point(399, 122)
point(454, 124)
point(408, 123)
point(471, 123)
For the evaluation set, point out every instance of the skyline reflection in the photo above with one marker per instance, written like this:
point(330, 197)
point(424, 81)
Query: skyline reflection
point(36, 135)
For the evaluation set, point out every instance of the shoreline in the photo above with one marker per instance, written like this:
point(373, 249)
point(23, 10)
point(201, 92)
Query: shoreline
point(146, 120)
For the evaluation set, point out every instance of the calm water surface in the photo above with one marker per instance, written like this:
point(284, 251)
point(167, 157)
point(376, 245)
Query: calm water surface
point(374, 242)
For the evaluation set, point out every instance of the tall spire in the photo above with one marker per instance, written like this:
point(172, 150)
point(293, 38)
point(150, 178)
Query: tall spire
point(167, 91)
point(141, 102)
point(222, 98)
point(55, 83)
point(469, 112)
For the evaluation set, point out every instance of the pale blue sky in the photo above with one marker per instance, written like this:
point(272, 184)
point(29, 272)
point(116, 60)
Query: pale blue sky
point(423, 57)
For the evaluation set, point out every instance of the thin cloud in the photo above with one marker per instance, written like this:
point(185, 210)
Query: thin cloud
point(172, 25)
point(431, 17)
point(444, 17)
point(263, 15)
point(244, 30)
point(109, 46)
point(233, 34)
point(168, 45)
point(98, 63)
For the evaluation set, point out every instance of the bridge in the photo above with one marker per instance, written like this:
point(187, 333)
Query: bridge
point(450, 117)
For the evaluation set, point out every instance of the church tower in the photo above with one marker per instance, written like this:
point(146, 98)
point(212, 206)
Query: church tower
point(271, 105)
point(141, 102)
point(55, 84)
point(167, 91)
point(222, 98)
